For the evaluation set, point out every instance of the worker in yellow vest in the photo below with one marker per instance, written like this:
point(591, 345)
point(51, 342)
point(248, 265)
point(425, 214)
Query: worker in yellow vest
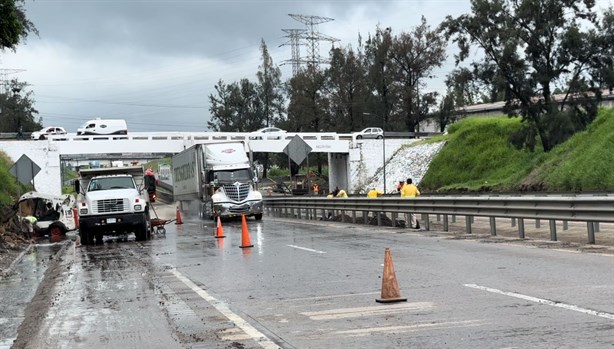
point(410, 191)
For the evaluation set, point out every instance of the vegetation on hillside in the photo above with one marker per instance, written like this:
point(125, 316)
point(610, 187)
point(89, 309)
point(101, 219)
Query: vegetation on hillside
point(583, 163)
point(10, 188)
point(479, 157)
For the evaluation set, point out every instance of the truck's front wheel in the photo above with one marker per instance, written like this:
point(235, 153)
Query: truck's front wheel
point(87, 237)
point(142, 232)
point(258, 216)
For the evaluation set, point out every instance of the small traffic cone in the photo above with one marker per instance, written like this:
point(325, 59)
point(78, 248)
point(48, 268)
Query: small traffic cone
point(219, 232)
point(178, 219)
point(390, 287)
point(245, 242)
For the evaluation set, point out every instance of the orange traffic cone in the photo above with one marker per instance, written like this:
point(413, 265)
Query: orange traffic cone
point(219, 232)
point(244, 234)
point(390, 287)
point(178, 219)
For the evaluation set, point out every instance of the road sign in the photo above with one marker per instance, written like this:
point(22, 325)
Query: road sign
point(25, 169)
point(297, 149)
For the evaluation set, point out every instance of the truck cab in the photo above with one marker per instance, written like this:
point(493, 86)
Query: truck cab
point(112, 201)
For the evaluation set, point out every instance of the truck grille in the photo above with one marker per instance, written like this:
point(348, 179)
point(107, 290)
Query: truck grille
point(110, 205)
point(236, 192)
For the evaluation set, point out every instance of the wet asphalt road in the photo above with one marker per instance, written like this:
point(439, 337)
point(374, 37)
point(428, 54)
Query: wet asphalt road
point(306, 285)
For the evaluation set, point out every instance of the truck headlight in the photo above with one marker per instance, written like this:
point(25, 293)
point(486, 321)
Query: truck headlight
point(137, 207)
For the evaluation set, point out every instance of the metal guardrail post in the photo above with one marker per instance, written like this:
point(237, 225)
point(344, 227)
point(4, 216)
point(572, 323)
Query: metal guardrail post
point(493, 226)
point(597, 228)
point(565, 225)
point(379, 219)
point(591, 232)
point(513, 222)
point(445, 222)
point(453, 218)
point(538, 223)
point(324, 214)
point(438, 218)
point(342, 216)
point(427, 222)
point(521, 228)
point(353, 217)
point(468, 224)
point(552, 230)
point(365, 217)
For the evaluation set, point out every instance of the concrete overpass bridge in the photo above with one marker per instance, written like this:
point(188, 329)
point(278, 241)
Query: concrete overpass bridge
point(344, 152)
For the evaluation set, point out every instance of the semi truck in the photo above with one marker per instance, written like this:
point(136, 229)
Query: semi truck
point(112, 201)
point(221, 177)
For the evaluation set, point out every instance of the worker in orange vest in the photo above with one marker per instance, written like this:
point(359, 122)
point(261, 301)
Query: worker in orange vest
point(316, 188)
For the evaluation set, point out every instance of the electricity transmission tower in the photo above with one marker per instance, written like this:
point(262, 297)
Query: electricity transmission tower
point(294, 35)
point(313, 38)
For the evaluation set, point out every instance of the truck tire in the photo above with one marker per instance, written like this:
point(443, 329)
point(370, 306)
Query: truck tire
point(87, 237)
point(142, 232)
point(258, 216)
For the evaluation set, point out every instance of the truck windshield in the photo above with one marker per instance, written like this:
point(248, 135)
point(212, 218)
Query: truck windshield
point(231, 176)
point(111, 183)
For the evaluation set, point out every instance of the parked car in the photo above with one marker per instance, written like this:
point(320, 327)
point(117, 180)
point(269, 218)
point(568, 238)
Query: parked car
point(268, 133)
point(48, 131)
point(370, 132)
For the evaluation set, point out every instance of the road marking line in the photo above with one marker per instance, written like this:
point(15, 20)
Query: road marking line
point(410, 328)
point(344, 313)
point(306, 249)
point(250, 330)
point(329, 297)
point(544, 301)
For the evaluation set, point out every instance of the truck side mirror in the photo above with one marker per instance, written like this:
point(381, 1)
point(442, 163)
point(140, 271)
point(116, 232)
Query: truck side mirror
point(77, 186)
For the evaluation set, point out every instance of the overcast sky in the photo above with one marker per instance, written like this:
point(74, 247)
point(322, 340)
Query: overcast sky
point(154, 63)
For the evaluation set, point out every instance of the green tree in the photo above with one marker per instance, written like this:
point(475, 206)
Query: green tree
point(270, 89)
point(346, 89)
point(17, 112)
point(270, 94)
point(14, 26)
point(236, 108)
point(414, 57)
point(307, 110)
point(534, 46)
point(381, 100)
point(447, 111)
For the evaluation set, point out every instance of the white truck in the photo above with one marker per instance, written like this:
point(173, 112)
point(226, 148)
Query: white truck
point(221, 177)
point(112, 201)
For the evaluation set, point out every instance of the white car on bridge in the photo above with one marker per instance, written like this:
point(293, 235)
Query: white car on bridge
point(48, 131)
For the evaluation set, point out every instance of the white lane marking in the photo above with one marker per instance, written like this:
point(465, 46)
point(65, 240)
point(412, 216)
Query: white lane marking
point(344, 313)
point(544, 301)
point(250, 330)
point(306, 249)
point(409, 328)
point(330, 297)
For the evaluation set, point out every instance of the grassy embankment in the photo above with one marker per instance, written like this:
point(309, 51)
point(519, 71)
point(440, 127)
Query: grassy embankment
point(9, 187)
point(478, 157)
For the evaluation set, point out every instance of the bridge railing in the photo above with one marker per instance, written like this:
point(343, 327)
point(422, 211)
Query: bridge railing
point(197, 136)
point(589, 209)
